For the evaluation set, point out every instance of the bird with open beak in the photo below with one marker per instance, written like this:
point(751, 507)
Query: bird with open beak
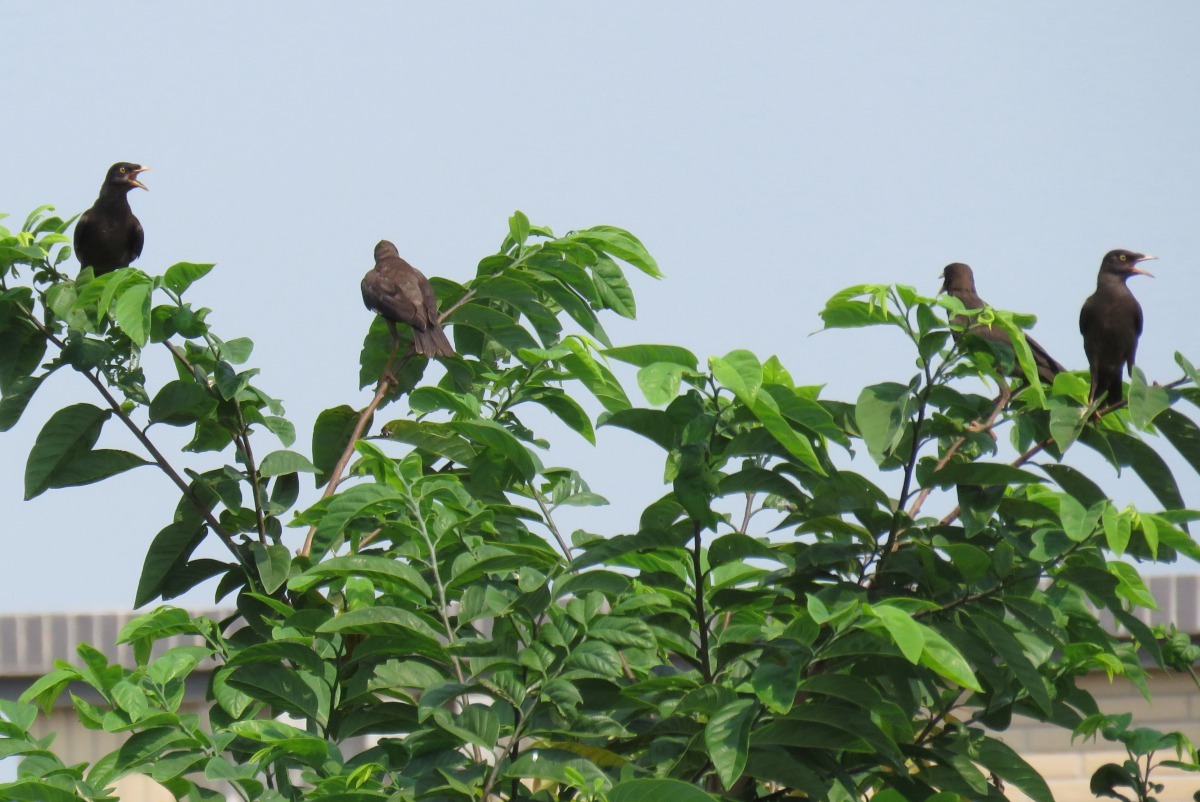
point(1111, 323)
point(108, 236)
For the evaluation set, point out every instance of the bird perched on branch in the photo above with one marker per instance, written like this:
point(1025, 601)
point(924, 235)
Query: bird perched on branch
point(959, 282)
point(1111, 322)
point(108, 236)
point(401, 293)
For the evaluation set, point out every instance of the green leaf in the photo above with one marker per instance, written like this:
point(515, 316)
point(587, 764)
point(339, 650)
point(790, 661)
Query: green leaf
point(621, 244)
point(1150, 468)
point(273, 562)
point(767, 412)
point(331, 435)
point(741, 372)
point(645, 355)
point(907, 634)
point(182, 275)
point(180, 403)
point(168, 552)
point(1145, 401)
point(380, 570)
point(13, 404)
point(1117, 529)
point(278, 463)
point(132, 312)
point(495, 436)
point(941, 656)
point(518, 227)
point(659, 382)
point(62, 455)
point(614, 290)
point(727, 737)
point(1182, 433)
point(1077, 522)
point(657, 790)
point(881, 413)
point(999, 758)
point(346, 506)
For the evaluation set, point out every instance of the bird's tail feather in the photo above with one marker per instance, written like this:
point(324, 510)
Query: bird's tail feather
point(432, 342)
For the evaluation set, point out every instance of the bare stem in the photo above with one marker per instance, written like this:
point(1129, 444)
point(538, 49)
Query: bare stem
point(562, 543)
point(701, 616)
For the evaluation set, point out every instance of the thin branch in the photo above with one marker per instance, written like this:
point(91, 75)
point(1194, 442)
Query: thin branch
point(252, 469)
point(701, 617)
point(749, 513)
point(386, 380)
point(988, 422)
point(562, 543)
point(156, 455)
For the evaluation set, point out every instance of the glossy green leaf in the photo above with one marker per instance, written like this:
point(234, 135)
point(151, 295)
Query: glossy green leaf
point(727, 737)
point(645, 355)
point(331, 435)
point(132, 311)
point(278, 463)
point(182, 275)
point(906, 633)
point(659, 382)
point(657, 790)
point(62, 455)
point(941, 656)
point(881, 412)
point(180, 403)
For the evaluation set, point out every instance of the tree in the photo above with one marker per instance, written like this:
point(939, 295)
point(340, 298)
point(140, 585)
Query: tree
point(859, 647)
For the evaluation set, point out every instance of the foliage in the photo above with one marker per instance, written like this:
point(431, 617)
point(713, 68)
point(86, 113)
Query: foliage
point(860, 646)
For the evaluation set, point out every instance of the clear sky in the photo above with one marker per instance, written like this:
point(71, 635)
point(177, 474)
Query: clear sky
point(767, 154)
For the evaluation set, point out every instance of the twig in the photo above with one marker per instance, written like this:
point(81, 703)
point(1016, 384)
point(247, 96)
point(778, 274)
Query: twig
point(562, 543)
point(156, 455)
point(988, 422)
point(335, 478)
point(748, 514)
point(701, 618)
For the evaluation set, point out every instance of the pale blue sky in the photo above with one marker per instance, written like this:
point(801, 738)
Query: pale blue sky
point(767, 154)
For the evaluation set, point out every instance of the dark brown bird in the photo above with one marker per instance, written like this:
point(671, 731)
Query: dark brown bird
point(1111, 322)
point(108, 236)
point(959, 282)
point(401, 293)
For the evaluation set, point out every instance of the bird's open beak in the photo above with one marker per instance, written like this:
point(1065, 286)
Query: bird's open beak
point(1139, 271)
point(133, 179)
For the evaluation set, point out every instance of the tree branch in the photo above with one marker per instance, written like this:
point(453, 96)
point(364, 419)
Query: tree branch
point(701, 617)
point(161, 461)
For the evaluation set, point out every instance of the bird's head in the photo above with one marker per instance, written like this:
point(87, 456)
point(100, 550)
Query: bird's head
point(957, 277)
point(385, 249)
point(123, 176)
point(1125, 263)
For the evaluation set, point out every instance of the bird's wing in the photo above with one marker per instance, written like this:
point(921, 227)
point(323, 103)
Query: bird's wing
point(83, 234)
point(1137, 327)
point(383, 292)
point(137, 238)
point(429, 299)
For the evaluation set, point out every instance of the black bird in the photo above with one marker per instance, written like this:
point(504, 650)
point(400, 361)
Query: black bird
point(108, 236)
point(1111, 322)
point(959, 281)
point(401, 293)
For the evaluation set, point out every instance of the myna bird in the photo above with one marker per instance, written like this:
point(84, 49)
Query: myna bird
point(1111, 322)
point(401, 293)
point(959, 282)
point(107, 235)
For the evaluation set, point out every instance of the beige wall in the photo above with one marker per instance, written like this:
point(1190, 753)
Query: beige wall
point(1067, 767)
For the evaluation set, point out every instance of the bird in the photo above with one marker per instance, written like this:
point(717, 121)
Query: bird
point(959, 282)
point(1111, 322)
point(108, 235)
point(401, 293)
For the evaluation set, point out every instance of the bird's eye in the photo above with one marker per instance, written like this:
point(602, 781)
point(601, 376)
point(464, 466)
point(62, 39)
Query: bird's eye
point(1124, 258)
point(123, 170)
